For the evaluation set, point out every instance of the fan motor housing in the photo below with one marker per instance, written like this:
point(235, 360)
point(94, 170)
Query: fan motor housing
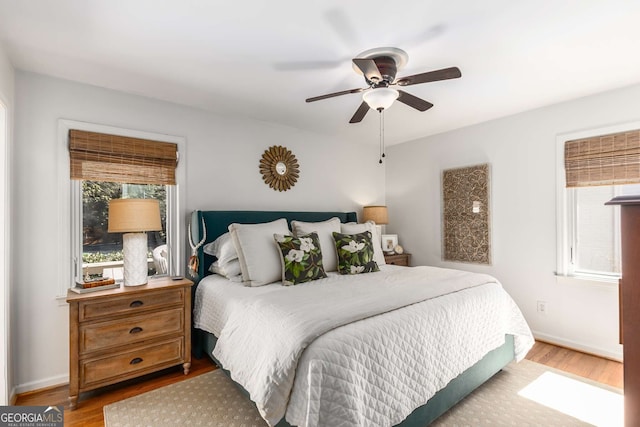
point(387, 67)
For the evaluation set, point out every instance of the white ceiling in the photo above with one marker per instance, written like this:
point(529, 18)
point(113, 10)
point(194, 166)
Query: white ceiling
point(262, 59)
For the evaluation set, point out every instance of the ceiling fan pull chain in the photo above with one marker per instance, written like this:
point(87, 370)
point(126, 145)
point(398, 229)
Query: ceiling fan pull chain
point(380, 128)
point(383, 142)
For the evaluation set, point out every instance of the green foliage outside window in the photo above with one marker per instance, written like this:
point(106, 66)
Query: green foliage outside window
point(95, 210)
point(95, 257)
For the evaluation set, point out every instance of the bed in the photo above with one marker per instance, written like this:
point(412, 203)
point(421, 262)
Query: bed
point(348, 369)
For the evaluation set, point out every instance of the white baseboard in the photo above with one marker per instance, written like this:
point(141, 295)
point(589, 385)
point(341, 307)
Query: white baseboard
point(40, 384)
point(597, 351)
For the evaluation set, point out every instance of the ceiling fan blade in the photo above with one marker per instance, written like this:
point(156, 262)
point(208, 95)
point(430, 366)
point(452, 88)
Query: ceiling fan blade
point(360, 113)
point(430, 76)
point(368, 68)
point(331, 95)
point(413, 101)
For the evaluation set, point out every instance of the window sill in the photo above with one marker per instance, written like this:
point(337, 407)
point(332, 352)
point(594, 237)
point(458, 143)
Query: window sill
point(587, 279)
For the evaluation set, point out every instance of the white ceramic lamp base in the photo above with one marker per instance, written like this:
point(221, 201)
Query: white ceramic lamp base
point(134, 247)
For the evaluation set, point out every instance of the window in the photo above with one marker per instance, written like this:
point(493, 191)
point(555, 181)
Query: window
point(592, 171)
point(101, 251)
point(595, 230)
point(106, 166)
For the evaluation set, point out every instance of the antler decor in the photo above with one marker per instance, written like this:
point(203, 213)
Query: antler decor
point(193, 259)
point(279, 168)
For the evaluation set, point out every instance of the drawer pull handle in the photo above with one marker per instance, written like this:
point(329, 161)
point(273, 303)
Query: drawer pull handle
point(135, 361)
point(136, 303)
point(135, 330)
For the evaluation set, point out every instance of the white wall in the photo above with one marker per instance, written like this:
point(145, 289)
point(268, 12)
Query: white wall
point(222, 173)
point(222, 158)
point(522, 152)
point(6, 127)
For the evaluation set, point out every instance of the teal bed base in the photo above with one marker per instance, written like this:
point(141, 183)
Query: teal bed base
point(444, 399)
point(217, 222)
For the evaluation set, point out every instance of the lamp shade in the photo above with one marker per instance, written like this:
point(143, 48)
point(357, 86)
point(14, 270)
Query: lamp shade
point(380, 98)
point(134, 215)
point(377, 214)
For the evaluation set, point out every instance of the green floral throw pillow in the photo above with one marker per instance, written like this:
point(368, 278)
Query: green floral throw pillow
point(355, 253)
point(301, 258)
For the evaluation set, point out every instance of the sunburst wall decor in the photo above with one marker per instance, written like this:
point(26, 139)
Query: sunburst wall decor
point(279, 168)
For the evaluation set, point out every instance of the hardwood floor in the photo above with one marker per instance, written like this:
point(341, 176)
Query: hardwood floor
point(585, 365)
point(89, 412)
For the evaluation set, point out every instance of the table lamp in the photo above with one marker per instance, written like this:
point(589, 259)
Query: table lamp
point(134, 217)
point(377, 214)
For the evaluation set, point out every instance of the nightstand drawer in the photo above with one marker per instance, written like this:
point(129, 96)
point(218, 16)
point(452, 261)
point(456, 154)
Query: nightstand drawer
point(397, 259)
point(131, 363)
point(128, 305)
point(97, 336)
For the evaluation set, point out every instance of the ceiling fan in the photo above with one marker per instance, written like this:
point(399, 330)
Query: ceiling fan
point(379, 67)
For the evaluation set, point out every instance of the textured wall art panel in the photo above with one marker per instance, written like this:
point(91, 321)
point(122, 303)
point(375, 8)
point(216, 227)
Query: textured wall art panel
point(465, 204)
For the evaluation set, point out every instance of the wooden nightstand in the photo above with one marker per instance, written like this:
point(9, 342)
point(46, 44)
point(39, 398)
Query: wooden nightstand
point(397, 259)
point(122, 333)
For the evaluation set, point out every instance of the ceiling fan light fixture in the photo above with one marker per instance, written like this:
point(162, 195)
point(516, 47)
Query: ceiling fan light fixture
point(380, 98)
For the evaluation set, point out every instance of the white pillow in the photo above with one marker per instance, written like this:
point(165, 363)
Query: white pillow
point(354, 228)
point(222, 248)
point(257, 251)
point(324, 229)
point(228, 270)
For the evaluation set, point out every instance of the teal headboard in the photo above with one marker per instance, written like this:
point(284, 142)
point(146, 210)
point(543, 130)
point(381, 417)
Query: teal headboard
point(217, 223)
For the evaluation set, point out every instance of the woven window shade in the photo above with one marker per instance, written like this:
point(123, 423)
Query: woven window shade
point(603, 160)
point(102, 157)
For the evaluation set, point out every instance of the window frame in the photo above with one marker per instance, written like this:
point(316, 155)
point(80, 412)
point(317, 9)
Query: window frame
point(566, 218)
point(5, 257)
point(70, 203)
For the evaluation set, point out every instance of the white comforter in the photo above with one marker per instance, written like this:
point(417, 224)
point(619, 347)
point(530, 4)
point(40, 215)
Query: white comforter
point(373, 371)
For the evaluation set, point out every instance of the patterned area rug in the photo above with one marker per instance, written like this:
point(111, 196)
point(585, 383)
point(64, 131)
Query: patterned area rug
point(522, 394)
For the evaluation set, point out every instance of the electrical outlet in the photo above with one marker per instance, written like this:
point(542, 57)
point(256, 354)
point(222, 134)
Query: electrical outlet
point(542, 307)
